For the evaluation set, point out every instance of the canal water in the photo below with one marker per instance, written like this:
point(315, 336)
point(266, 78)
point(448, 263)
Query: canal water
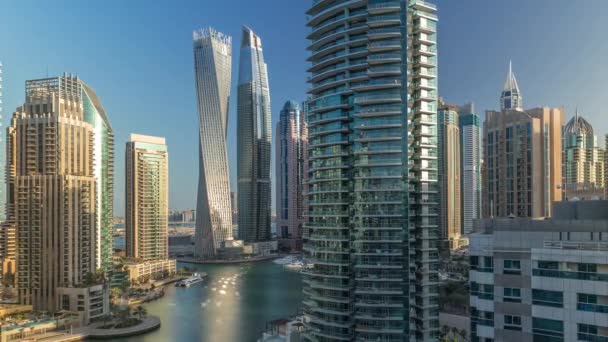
point(233, 304)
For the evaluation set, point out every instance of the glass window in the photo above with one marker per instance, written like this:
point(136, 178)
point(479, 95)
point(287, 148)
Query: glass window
point(512, 295)
point(548, 298)
point(511, 267)
point(547, 330)
point(548, 265)
point(589, 268)
point(512, 322)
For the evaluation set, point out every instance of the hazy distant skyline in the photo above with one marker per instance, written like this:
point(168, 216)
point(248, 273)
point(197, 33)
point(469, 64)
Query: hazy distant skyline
point(137, 55)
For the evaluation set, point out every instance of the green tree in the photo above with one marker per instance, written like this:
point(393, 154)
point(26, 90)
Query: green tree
point(140, 312)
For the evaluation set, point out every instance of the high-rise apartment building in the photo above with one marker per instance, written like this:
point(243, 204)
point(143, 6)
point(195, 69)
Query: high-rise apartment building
point(449, 177)
point(2, 159)
point(583, 160)
point(291, 150)
point(541, 280)
point(522, 159)
point(212, 65)
point(470, 161)
point(7, 230)
point(146, 198)
point(254, 138)
point(52, 190)
point(372, 228)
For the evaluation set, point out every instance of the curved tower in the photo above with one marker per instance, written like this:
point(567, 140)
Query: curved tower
point(212, 66)
point(254, 140)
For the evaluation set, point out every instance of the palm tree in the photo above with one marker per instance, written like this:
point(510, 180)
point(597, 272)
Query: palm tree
point(141, 312)
point(463, 334)
point(444, 331)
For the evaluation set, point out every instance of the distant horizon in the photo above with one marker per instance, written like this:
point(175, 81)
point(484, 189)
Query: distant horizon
point(142, 65)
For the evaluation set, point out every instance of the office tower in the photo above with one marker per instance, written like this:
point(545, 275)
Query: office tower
point(372, 229)
point(511, 98)
point(449, 177)
point(290, 173)
point(212, 67)
point(52, 190)
point(522, 160)
point(583, 160)
point(541, 280)
point(7, 230)
point(146, 197)
point(470, 160)
point(254, 138)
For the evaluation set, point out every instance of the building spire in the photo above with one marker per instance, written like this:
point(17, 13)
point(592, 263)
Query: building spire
point(510, 98)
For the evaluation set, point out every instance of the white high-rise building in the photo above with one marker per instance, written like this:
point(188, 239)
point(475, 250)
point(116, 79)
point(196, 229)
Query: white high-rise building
point(470, 161)
point(212, 65)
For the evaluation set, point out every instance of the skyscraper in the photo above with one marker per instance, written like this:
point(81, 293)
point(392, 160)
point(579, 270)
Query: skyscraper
point(372, 228)
point(52, 190)
point(254, 137)
point(212, 66)
point(147, 198)
point(583, 160)
point(291, 149)
point(448, 146)
point(2, 158)
point(523, 160)
point(470, 156)
point(103, 170)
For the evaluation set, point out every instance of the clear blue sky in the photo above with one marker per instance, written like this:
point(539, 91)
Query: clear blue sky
point(137, 54)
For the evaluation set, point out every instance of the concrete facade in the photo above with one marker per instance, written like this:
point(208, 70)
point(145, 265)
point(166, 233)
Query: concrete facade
point(532, 279)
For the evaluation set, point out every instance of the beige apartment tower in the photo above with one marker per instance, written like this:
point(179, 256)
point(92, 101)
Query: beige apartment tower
point(147, 191)
point(523, 162)
point(51, 190)
point(448, 143)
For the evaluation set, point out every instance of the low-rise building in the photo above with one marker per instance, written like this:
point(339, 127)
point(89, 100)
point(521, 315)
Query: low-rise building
point(90, 303)
point(541, 279)
point(142, 271)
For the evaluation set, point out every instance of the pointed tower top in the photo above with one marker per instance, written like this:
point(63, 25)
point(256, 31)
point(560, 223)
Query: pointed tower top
point(511, 96)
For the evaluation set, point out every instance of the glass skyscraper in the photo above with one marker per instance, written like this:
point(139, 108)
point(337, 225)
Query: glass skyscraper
point(212, 65)
point(372, 228)
point(253, 141)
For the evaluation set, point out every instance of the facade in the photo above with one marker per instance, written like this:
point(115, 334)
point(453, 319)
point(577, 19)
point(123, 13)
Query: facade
point(583, 161)
point(449, 176)
point(291, 150)
point(52, 192)
point(90, 302)
point(470, 163)
point(139, 270)
point(147, 198)
point(541, 280)
point(372, 228)
point(212, 66)
point(254, 138)
point(522, 159)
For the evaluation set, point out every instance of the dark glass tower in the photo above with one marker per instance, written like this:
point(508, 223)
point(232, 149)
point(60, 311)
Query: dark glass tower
point(253, 142)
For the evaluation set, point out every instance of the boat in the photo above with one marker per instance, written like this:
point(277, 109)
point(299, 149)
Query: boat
point(195, 278)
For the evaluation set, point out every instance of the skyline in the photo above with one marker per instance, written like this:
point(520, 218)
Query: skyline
point(542, 51)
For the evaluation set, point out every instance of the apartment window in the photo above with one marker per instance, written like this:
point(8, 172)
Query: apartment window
point(65, 302)
point(511, 267)
point(483, 291)
point(589, 302)
point(547, 330)
point(548, 265)
point(588, 268)
point(548, 298)
point(588, 332)
point(511, 295)
point(512, 322)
